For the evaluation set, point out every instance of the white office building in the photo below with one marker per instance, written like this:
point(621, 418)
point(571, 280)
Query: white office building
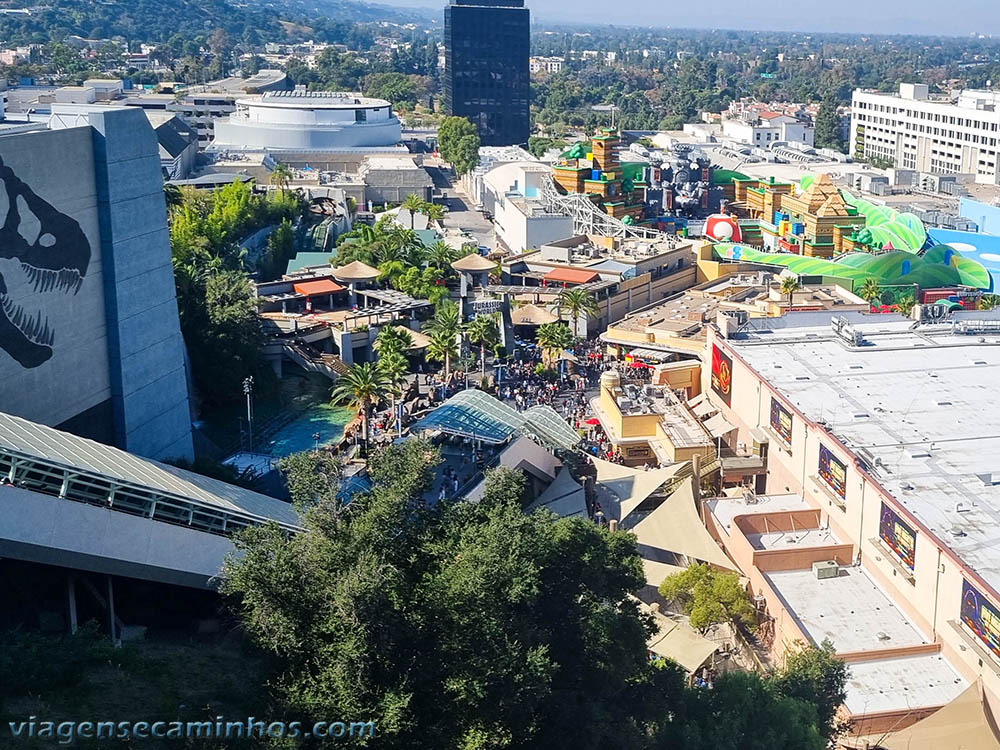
point(770, 127)
point(936, 135)
point(522, 220)
point(308, 121)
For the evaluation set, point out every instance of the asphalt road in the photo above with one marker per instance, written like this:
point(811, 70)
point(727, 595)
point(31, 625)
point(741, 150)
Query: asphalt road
point(461, 213)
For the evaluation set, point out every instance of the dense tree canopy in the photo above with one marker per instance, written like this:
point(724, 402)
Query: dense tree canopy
point(474, 626)
point(458, 142)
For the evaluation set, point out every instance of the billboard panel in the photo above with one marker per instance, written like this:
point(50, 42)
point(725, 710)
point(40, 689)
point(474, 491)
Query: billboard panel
point(722, 375)
point(833, 471)
point(899, 535)
point(781, 420)
point(981, 617)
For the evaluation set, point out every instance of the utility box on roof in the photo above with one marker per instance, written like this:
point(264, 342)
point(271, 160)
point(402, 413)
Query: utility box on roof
point(826, 569)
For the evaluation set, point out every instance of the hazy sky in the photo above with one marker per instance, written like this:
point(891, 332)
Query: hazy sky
point(958, 17)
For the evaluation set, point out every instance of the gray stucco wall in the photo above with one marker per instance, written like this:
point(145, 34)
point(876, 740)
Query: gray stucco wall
point(145, 348)
point(43, 529)
point(58, 167)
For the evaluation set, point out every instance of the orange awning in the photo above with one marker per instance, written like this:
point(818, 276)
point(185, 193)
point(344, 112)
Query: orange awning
point(323, 286)
point(571, 276)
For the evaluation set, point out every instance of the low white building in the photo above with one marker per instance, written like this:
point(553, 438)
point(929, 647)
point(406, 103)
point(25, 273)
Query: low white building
point(490, 157)
point(770, 128)
point(546, 64)
point(308, 121)
point(522, 221)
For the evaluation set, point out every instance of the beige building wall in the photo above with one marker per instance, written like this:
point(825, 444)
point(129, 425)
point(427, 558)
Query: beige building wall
point(931, 596)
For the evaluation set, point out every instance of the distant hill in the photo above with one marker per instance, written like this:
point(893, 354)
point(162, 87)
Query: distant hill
point(158, 20)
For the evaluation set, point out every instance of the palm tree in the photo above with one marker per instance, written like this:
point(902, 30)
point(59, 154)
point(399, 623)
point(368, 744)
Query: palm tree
point(790, 285)
point(554, 338)
point(415, 205)
point(442, 348)
point(393, 340)
point(905, 304)
point(361, 388)
point(447, 319)
point(989, 301)
point(484, 331)
point(578, 302)
point(433, 211)
point(440, 255)
point(281, 177)
point(395, 368)
point(173, 196)
point(870, 291)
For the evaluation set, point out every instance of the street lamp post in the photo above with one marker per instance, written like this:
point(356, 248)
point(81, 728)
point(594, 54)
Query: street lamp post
point(316, 439)
point(248, 391)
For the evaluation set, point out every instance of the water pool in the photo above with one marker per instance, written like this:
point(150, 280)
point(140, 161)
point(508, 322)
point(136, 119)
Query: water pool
point(323, 419)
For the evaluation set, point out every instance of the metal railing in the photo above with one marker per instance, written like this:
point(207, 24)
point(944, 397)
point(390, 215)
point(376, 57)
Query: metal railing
point(35, 474)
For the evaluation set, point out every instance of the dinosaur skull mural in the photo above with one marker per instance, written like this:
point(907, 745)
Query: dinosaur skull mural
point(42, 251)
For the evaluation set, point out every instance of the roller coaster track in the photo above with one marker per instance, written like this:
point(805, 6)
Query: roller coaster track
point(589, 219)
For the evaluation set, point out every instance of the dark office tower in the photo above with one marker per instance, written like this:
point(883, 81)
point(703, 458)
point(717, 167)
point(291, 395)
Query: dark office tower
point(487, 45)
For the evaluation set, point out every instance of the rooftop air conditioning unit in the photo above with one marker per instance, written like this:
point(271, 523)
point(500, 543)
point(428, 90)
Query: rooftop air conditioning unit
point(826, 569)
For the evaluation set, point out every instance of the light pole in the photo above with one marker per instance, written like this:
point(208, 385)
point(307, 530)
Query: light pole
point(316, 439)
point(248, 390)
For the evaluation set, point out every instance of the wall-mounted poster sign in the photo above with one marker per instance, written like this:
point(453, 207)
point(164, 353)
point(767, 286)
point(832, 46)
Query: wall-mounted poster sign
point(781, 420)
point(981, 617)
point(833, 471)
point(899, 535)
point(722, 375)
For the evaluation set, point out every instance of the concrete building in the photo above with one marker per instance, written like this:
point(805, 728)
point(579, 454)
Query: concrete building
point(511, 195)
point(546, 64)
point(770, 127)
point(308, 121)
point(623, 275)
point(679, 325)
point(202, 106)
point(89, 335)
point(912, 130)
point(178, 142)
point(650, 424)
point(878, 526)
point(487, 77)
point(389, 179)
point(490, 157)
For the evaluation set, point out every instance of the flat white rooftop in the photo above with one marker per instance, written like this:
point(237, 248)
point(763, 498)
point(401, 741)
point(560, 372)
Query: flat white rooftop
point(726, 509)
point(921, 408)
point(849, 610)
point(904, 682)
point(798, 539)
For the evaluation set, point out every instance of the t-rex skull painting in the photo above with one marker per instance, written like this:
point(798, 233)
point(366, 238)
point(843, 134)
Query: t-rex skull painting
point(41, 250)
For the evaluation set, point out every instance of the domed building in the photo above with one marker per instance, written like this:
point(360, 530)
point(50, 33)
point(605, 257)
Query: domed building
point(308, 121)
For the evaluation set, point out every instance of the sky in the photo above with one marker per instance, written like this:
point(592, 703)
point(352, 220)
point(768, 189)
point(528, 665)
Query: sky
point(952, 17)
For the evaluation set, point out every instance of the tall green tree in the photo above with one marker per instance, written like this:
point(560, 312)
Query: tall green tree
point(580, 304)
point(789, 286)
point(414, 204)
point(870, 291)
point(816, 676)
point(827, 133)
point(710, 597)
point(485, 331)
point(458, 143)
point(361, 388)
point(554, 338)
point(224, 337)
